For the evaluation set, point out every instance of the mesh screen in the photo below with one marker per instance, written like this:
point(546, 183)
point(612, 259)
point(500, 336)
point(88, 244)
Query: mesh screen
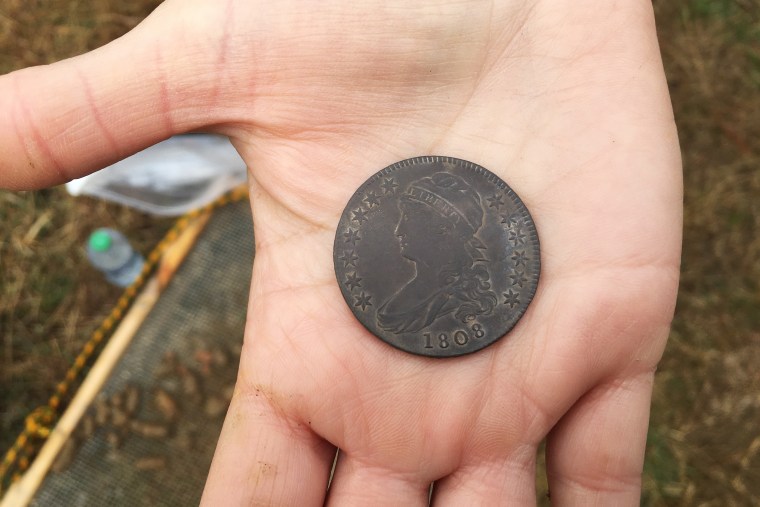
point(150, 435)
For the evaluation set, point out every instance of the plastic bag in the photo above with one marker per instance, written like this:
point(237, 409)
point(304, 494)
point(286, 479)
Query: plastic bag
point(169, 178)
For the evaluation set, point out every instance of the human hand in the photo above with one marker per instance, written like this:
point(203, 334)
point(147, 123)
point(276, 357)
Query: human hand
point(566, 101)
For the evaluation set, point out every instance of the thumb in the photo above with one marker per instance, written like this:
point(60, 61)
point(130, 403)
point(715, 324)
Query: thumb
point(62, 121)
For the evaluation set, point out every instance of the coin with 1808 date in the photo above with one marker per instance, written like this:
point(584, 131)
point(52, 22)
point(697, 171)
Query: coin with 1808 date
point(437, 256)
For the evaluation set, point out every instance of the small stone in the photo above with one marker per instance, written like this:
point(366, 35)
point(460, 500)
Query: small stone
point(228, 392)
point(191, 385)
point(185, 439)
point(114, 439)
point(219, 357)
point(149, 429)
point(215, 406)
point(131, 399)
point(87, 426)
point(102, 412)
point(119, 418)
point(117, 400)
point(165, 404)
point(151, 463)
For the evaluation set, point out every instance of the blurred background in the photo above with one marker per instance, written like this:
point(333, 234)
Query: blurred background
point(704, 439)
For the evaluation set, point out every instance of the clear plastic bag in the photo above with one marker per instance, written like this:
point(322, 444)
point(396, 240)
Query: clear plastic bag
point(169, 178)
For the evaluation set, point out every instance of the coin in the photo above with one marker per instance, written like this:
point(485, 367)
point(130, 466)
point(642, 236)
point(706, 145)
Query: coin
point(437, 256)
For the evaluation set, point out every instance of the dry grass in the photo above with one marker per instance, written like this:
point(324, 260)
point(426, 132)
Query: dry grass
point(704, 446)
point(705, 432)
point(50, 299)
point(35, 32)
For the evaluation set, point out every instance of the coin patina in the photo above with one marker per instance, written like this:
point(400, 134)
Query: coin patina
point(437, 256)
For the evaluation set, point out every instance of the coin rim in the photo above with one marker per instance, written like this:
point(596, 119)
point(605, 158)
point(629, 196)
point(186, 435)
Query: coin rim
point(491, 177)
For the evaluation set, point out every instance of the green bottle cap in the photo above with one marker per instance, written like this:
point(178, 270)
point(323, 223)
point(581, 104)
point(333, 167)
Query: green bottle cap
point(100, 241)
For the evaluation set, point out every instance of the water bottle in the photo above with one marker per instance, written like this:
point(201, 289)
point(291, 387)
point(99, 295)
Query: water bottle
point(110, 252)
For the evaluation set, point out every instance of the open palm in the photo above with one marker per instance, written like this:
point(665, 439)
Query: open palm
point(566, 101)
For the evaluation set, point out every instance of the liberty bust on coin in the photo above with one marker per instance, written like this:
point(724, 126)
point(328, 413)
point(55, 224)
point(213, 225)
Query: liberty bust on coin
point(437, 256)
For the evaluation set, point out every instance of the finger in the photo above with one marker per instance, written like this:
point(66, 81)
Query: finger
point(595, 454)
point(265, 458)
point(357, 483)
point(509, 481)
point(67, 119)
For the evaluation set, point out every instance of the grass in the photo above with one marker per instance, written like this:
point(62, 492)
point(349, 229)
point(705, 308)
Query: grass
point(704, 440)
point(50, 298)
point(704, 443)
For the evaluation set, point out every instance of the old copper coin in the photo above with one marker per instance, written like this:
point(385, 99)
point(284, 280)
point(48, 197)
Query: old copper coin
point(437, 256)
